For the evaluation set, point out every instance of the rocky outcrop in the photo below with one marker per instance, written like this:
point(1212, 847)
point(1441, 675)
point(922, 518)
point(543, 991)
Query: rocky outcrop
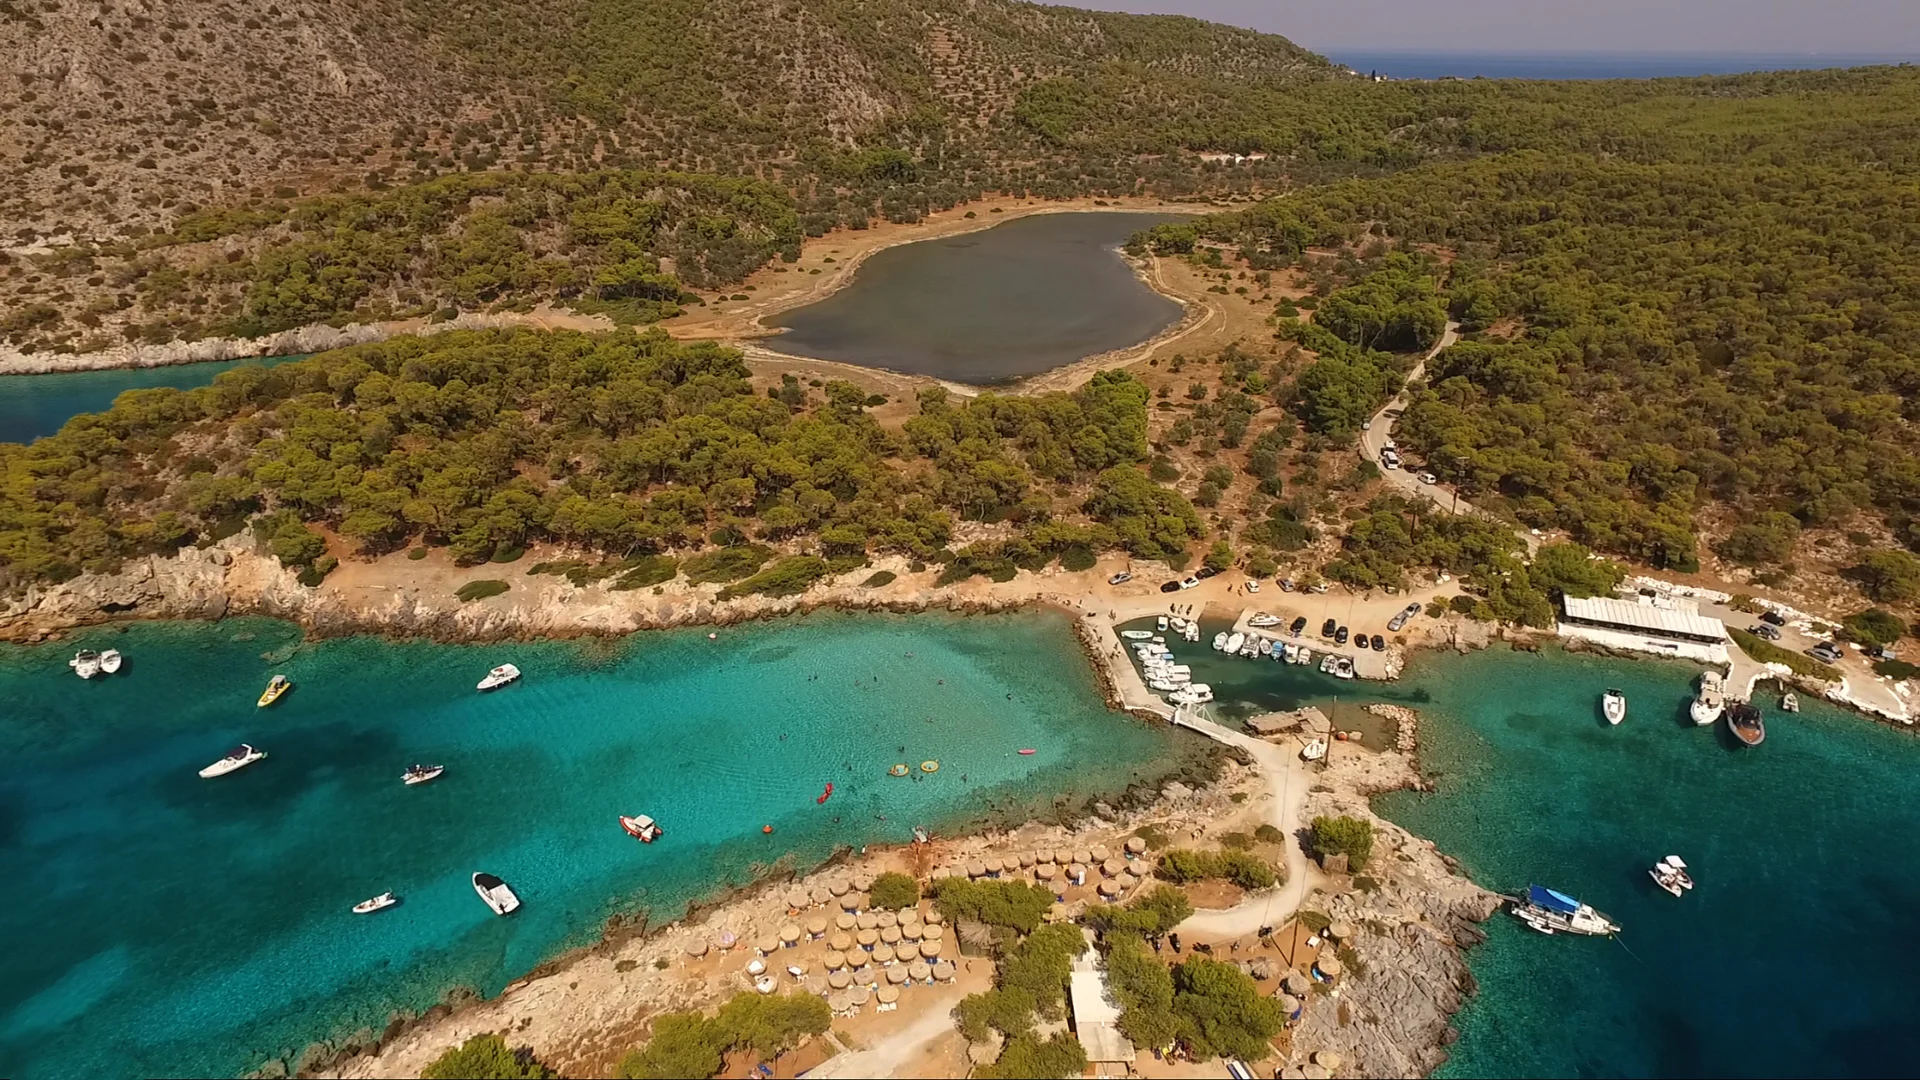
point(306, 339)
point(1413, 918)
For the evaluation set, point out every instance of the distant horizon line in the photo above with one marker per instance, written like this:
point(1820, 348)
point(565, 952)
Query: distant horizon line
point(1611, 54)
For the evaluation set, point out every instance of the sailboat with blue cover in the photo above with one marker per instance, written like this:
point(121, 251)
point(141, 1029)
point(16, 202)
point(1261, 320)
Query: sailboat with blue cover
point(1553, 912)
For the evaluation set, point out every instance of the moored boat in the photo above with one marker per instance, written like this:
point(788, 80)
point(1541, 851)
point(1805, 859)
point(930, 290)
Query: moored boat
point(1234, 642)
point(85, 663)
point(641, 828)
point(1613, 704)
point(384, 900)
point(1671, 875)
point(420, 774)
point(499, 677)
point(1711, 701)
point(1160, 624)
point(495, 894)
point(276, 688)
point(110, 661)
point(1305, 656)
point(1343, 667)
point(1136, 635)
point(1789, 703)
point(237, 758)
point(1743, 719)
point(1220, 641)
point(1549, 911)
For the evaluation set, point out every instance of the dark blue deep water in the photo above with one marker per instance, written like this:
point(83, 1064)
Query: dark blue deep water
point(1573, 65)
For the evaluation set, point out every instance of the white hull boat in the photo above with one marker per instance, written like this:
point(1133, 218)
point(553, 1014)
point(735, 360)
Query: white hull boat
point(1234, 642)
point(495, 894)
point(1549, 912)
point(379, 903)
point(1313, 751)
point(1136, 635)
point(1613, 704)
point(1264, 619)
point(1711, 701)
point(237, 758)
point(499, 677)
point(1160, 624)
point(1671, 874)
point(85, 663)
point(420, 774)
point(1305, 656)
point(110, 661)
point(1343, 667)
point(1220, 641)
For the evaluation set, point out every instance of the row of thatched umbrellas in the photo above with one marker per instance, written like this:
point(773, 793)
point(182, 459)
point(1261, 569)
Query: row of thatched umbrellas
point(1072, 864)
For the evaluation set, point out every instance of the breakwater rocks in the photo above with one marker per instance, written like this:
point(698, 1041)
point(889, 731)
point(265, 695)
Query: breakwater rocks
point(1406, 724)
point(305, 339)
point(1412, 916)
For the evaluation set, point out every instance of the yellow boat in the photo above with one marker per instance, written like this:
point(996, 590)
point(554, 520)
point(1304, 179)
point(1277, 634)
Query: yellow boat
point(899, 770)
point(929, 766)
point(276, 687)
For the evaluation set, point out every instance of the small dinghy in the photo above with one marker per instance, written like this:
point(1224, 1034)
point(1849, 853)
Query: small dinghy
point(85, 663)
point(1136, 635)
point(276, 689)
point(237, 758)
point(495, 894)
point(1671, 874)
point(1028, 751)
point(420, 774)
point(1313, 751)
point(378, 903)
point(110, 661)
point(1614, 705)
point(641, 828)
point(499, 677)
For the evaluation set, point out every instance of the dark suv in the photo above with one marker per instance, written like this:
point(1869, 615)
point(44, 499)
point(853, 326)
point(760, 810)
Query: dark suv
point(1340, 636)
point(1326, 628)
point(1299, 624)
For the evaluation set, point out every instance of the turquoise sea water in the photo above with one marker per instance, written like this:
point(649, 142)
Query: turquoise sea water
point(164, 924)
point(1795, 955)
point(35, 405)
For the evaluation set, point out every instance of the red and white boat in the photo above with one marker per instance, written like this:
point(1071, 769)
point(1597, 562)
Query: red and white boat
point(641, 828)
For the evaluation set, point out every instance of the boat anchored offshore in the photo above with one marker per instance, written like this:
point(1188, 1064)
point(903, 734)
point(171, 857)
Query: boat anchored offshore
point(1671, 874)
point(384, 900)
point(499, 677)
point(1743, 719)
point(495, 894)
point(641, 828)
point(276, 688)
point(1552, 912)
point(1712, 699)
point(420, 774)
point(1789, 703)
point(85, 663)
point(1613, 704)
point(110, 661)
point(237, 758)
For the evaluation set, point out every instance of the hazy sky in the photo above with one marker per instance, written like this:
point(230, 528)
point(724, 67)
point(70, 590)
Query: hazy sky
point(1878, 27)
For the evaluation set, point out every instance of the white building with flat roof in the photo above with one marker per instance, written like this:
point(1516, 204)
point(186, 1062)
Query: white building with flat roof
point(1669, 627)
point(1096, 1017)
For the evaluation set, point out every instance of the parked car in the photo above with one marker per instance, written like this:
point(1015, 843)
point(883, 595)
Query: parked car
point(1367, 424)
point(1340, 636)
point(1379, 643)
point(1191, 583)
point(1286, 584)
point(1360, 642)
point(1411, 609)
point(1773, 618)
point(1253, 586)
point(1205, 572)
point(1427, 478)
point(1825, 652)
point(1120, 578)
point(1389, 461)
point(1299, 624)
point(1327, 628)
point(1394, 624)
point(1318, 587)
point(1762, 630)
point(1171, 586)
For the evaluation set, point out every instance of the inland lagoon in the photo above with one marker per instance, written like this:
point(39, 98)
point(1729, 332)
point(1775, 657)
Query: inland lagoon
point(989, 306)
point(162, 924)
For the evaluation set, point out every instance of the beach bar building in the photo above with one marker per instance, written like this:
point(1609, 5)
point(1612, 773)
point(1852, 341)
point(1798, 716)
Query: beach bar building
point(1671, 627)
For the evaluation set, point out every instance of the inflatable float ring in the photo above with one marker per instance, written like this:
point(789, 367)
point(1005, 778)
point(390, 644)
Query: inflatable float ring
point(899, 770)
point(929, 766)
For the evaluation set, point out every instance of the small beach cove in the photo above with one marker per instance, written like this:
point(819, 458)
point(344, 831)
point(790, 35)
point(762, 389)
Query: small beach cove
point(244, 882)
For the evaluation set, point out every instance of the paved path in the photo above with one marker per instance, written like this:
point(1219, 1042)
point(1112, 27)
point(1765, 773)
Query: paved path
point(1288, 782)
point(894, 1052)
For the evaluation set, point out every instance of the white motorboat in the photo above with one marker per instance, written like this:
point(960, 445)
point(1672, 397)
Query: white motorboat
point(1160, 624)
point(1164, 686)
point(499, 677)
point(384, 900)
point(420, 774)
point(1192, 694)
point(1671, 874)
point(495, 894)
point(1548, 911)
point(1343, 668)
point(1305, 656)
point(1291, 652)
point(1136, 635)
point(1327, 663)
point(237, 758)
point(1192, 632)
point(1613, 704)
point(1261, 618)
point(1711, 701)
point(1789, 703)
point(1220, 641)
point(110, 661)
point(85, 663)
point(1313, 751)
point(1234, 642)
point(641, 827)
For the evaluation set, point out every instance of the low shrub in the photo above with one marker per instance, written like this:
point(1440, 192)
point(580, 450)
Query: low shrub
point(726, 564)
point(880, 579)
point(646, 570)
point(790, 576)
point(480, 590)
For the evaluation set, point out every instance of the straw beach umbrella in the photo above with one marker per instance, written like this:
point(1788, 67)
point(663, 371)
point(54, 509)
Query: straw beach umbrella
point(789, 934)
point(944, 971)
point(890, 935)
point(1027, 858)
point(839, 980)
point(886, 919)
point(934, 933)
point(845, 921)
point(839, 886)
point(919, 971)
point(857, 996)
point(840, 942)
point(887, 995)
point(1340, 930)
point(864, 977)
point(867, 920)
point(1046, 873)
point(896, 975)
point(850, 903)
point(883, 954)
point(912, 931)
point(820, 894)
point(976, 869)
point(1063, 856)
point(868, 939)
point(1136, 845)
point(1328, 1060)
point(862, 882)
point(1113, 867)
point(768, 944)
point(932, 949)
point(833, 960)
point(933, 917)
point(1083, 856)
point(696, 948)
point(906, 950)
point(857, 958)
point(816, 926)
point(1328, 966)
point(797, 897)
point(1100, 853)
